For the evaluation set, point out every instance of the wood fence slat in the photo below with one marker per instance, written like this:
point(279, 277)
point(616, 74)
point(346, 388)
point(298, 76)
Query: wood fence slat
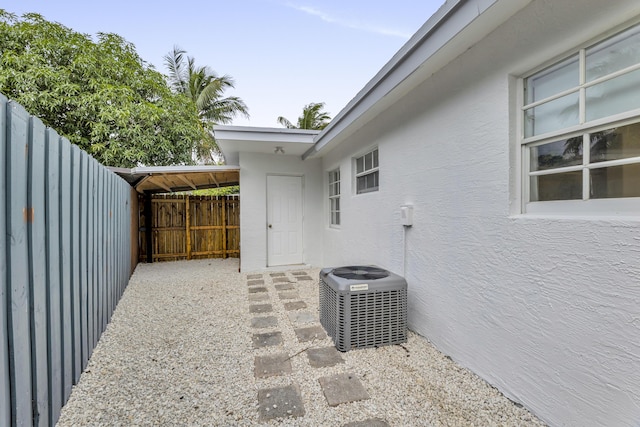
point(100, 248)
point(75, 262)
point(5, 386)
point(93, 254)
point(66, 296)
point(18, 268)
point(84, 259)
point(38, 279)
point(52, 170)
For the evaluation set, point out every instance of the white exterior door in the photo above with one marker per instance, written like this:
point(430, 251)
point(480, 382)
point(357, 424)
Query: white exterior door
point(284, 220)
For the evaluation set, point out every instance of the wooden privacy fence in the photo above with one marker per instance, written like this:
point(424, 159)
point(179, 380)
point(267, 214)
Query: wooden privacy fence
point(65, 244)
point(191, 227)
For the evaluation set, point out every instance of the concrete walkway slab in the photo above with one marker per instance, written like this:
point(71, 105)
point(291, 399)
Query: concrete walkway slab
point(277, 275)
point(324, 357)
point(371, 422)
point(300, 273)
point(264, 322)
point(295, 305)
point(302, 317)
point(271, 365)
point(281, 280)
point(342, 388)
point(255, 282)
point(280, 402)
point(311, 333)
point(260, 308)
point(303, 278)
point(267, 339)
point(254, 276)
point(257, 290)
point(259, 297)
point(288, 295)
point(285, 287)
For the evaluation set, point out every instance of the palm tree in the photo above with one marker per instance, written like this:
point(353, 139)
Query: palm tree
point(312, 118)
point(205, 89)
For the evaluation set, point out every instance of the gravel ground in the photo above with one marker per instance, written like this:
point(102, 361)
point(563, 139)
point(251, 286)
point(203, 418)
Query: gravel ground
point(179, 351)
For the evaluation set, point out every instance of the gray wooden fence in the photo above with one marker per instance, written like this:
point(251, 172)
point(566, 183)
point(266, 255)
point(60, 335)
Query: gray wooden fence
point(64, 263)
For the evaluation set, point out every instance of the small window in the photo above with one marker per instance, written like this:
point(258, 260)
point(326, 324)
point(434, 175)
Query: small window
point(367, 178)
point(581, 119)
point(334, 197)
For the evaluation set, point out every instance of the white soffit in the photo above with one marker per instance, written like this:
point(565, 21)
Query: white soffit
point(453, 29)
point(235, 139)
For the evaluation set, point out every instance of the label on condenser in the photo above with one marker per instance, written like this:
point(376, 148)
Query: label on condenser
point(361, 287)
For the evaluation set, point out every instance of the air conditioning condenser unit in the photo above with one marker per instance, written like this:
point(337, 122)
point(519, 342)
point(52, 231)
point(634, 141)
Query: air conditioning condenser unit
point(363, 306)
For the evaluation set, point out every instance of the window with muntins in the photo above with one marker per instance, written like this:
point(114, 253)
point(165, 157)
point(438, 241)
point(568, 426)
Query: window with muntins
point(581, 125)
point(367, 174)
point(334, 197)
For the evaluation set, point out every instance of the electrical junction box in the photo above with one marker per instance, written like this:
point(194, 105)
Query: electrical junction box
point(406, 215)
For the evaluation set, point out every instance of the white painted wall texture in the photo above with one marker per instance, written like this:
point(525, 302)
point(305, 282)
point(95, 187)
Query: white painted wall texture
point(546, 309)
point(254, 169)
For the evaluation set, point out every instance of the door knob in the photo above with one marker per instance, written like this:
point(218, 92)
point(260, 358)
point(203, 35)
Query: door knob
point(269, 225)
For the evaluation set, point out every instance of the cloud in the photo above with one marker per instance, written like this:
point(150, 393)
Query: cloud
point(361, 26)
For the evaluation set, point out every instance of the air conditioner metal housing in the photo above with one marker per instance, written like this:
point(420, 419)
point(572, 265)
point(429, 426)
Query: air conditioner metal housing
point(362, 312)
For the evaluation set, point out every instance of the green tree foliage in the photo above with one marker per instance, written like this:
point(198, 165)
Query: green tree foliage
point(313, 117)
point(205, 89)
point(99, 94)
point(222, 191)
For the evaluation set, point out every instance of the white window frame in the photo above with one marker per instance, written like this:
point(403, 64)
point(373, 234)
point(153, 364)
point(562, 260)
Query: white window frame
point(586, 206)
point(366, 171)
point(334, 197)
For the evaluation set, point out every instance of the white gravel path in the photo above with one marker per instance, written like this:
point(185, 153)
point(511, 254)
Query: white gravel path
point(179, 352)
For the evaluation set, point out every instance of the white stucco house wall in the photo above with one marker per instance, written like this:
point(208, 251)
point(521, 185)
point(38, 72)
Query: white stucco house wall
point(512, 128)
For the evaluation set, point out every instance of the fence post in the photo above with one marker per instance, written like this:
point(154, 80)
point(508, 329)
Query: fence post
point(188, 225)
point(225, 200)
point(148, 224)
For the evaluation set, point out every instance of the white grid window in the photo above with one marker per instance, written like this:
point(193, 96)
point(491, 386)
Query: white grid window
point(367, 175)
point(581, 124)
point(334, 197)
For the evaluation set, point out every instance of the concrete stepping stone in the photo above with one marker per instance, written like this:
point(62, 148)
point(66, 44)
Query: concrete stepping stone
point(259, 297)
point(294, 305)
point(260, 308)
point(371, 422)
point(288, 295)
point(310, 333)
point(254, 276)
point(257, 289)
point(280, 402)
point(342, 388)
point(281, 280)
point(300, 278)
point(324, 357)
point(255, 282)
point(285, 287)
point(268, 339)
point(302, 317)
point(264, 322)
point(272, 365)
point(299, 273)
point(277, 274)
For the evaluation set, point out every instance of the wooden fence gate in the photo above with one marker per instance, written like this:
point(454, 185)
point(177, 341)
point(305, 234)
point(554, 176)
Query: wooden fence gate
point(191, 227)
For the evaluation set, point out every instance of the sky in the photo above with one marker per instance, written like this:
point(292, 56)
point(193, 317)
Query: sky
point(282, 54)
